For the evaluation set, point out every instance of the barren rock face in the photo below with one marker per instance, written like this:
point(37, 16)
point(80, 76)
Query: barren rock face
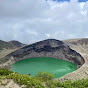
point(47, 48)
point(79, 45)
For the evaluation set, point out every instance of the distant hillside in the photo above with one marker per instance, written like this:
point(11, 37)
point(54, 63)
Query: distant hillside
point(16, 44)
point(82, 41)
point(10, 45)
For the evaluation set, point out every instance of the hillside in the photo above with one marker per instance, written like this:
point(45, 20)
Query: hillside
point(16, 44)
point(46, 48)
point(10, 45)
point(81, 46)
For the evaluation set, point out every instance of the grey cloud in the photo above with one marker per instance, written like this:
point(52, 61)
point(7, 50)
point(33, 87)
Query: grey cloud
point(22, 8)
point(30, 21)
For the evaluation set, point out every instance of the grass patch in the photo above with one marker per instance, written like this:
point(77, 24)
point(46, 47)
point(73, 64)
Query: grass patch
point(5, 72)
point(25, 80)
point(45, 76)
point(40, 78)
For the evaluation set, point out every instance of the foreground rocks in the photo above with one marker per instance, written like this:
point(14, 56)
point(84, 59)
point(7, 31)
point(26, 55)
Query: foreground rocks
point(9, 83)
point(47, 48)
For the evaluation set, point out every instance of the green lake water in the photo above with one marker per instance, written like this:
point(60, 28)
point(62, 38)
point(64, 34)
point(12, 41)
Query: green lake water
point(33, 65)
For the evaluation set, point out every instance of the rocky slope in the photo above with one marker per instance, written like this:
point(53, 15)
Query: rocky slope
point(16, 44)
point(10, 45)
point(81, 46)
point(81, 73)
point(47, 48)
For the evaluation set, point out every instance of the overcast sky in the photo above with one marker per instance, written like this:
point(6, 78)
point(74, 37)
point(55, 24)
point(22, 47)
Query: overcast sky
point(29, 21)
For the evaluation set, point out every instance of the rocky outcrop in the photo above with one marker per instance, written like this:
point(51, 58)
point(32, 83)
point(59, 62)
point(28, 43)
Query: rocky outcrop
point(16, 44)
point(79, 45)
point(10, 45)
point(47, 48)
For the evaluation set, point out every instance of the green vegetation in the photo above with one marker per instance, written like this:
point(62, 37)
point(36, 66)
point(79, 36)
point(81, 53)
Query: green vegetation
point(69, 84)
point(40, 79)
point(25, 80)
point(5, 72)
point(45, 76)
